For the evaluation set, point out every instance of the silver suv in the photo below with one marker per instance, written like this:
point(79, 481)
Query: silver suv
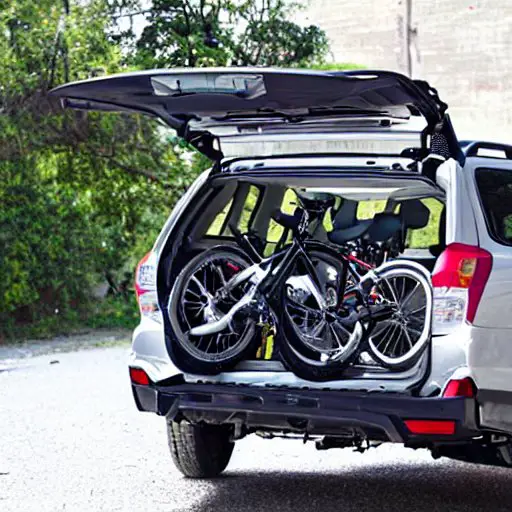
point(376, 143)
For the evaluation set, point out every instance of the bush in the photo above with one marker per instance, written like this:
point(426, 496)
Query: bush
point(109, 313)
point(49, 250)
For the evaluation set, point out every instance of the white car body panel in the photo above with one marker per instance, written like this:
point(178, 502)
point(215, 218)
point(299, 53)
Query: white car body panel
point(490, 350)
point(460, 224)
point(149, 351)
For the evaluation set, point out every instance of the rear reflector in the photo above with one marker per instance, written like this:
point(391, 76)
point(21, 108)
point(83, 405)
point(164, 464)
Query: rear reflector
point(139, 376)
point(460, 388)
point(431, 427)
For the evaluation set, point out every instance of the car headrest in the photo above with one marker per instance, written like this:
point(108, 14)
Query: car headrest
point(384, 227)
point(414, 213)
point(345, 217)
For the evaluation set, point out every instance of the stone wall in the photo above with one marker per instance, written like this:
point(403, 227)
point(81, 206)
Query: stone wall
point(462, 47)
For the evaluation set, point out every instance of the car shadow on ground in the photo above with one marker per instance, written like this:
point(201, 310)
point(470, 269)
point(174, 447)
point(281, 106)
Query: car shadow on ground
point(419, 488)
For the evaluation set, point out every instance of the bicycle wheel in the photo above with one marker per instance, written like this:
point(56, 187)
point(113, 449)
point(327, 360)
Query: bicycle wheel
point(398, 342)
point(195, 300)
point(318, 344)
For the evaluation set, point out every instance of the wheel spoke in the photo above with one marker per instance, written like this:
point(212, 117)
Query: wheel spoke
point(392, 332)
point(387, 332)
point(318, 329)
point(415, 320)
point(343, 328)
point(336, 338)
point(410, 295)
point(398, 340)
point(402, 291)
point(381, 327)
point(392, 291)
point(416, 311)
point(408, 337)
point(193, 303)
point(219, 272)
point(188, 290)
point(203, 289)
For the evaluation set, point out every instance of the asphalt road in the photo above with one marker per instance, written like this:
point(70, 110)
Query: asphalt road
point(71, 439)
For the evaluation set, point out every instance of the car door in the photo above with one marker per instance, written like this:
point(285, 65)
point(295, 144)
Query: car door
point(489, 183)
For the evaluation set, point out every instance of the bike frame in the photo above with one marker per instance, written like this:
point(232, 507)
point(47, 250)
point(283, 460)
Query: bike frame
point(267, 277)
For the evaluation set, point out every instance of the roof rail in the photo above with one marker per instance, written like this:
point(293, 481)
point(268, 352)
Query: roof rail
point(472, 147)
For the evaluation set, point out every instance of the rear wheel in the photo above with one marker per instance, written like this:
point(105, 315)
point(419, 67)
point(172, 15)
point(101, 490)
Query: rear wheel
point(199, 450)
point(317, 343)
point(398, 342)
point(197, 299)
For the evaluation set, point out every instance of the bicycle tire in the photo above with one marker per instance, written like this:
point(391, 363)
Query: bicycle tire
point(415, 302)
point(300, 357)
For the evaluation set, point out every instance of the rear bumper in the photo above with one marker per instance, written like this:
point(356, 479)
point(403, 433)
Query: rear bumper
point(377, 416)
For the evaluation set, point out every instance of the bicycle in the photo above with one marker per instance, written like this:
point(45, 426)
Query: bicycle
point(223, 294)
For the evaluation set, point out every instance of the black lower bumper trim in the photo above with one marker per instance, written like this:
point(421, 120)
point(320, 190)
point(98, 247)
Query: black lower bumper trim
point(324, 412)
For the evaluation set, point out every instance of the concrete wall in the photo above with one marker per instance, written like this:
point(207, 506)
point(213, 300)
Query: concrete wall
point(462, 47)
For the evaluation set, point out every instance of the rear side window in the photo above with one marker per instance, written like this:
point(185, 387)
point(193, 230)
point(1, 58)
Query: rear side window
point(428, 236)
point(495, 189)
point(368, 209)
point(275, 230)
point(219, 226)
point(250, 203)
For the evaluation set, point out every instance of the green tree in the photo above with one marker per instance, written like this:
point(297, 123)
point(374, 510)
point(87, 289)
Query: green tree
point(83, 195)
point(227, 32)
point(74, 186)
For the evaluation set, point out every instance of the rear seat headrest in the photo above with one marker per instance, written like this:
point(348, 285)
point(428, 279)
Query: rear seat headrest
point(384, 226)
point(414, 213)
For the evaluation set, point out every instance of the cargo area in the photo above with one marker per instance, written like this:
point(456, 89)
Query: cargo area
point(358, 197)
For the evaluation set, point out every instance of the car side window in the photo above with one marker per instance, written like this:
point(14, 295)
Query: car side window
point(216, 226)
point(219, 225)
point(428, 236)
point(275, 230)
point(495, 189)
point(250, 203)
point(368, 209)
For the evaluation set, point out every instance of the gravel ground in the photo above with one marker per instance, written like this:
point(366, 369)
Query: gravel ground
point(71, 439)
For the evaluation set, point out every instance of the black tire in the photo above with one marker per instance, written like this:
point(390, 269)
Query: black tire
point(418, 315)
point(180, 354)
point(199, 450)
point(296, 356)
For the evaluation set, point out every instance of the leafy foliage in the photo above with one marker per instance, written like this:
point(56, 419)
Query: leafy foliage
point(227, 32)
point(83, 195)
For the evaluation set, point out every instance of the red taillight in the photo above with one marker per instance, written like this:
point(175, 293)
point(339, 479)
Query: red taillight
point(139, 286)
point(464, 267)
point(139, 376)
point(431, 427)
point(145, 287)
point(460, 387)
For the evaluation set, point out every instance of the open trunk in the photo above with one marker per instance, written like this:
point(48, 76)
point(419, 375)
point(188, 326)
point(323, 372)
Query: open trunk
point(359, 116)
point(247, 192)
